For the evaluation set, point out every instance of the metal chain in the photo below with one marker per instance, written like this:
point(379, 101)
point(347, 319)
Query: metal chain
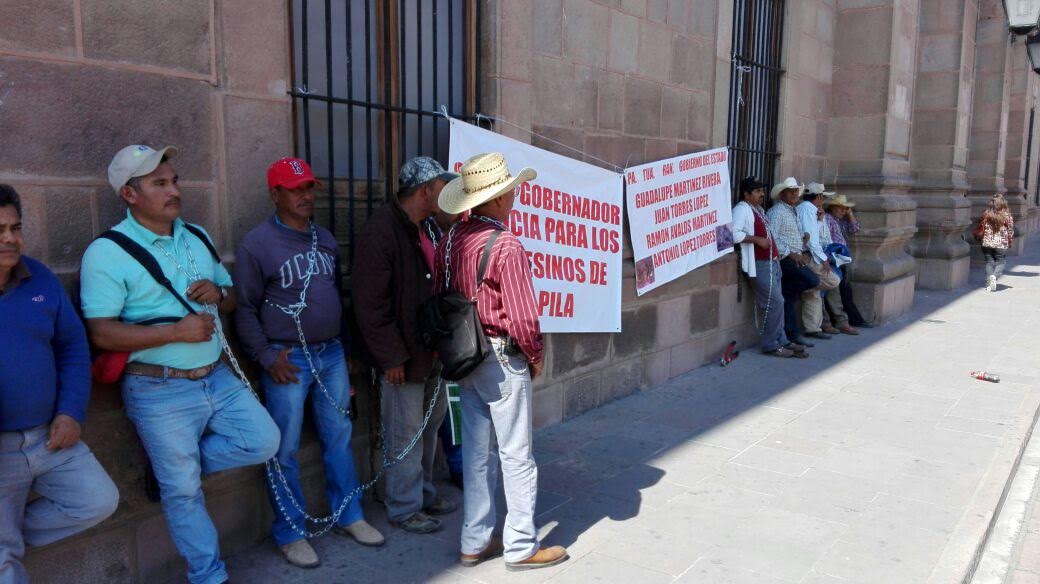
point(772, 245)
point(294, 311)
point(388, 462)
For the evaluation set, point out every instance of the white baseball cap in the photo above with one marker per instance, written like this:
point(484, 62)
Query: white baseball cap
point(134, 161)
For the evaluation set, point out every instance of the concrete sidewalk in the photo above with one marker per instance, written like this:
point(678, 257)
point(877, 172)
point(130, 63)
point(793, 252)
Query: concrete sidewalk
point(877, 460)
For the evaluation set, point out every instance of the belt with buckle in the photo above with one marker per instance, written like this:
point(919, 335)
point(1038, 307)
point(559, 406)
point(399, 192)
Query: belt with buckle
point(162, 371)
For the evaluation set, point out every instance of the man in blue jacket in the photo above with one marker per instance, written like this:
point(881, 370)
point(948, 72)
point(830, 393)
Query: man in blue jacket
point(43, 403)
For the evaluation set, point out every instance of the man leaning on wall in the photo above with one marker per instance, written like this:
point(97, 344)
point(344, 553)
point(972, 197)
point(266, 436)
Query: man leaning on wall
point(43, 403)
point(287, 264)
point(192, 413)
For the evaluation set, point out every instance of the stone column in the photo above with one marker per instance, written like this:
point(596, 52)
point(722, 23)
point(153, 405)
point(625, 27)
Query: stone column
point(987, 152)
point(1020, 103)
point(869, 146)
point(939, 144)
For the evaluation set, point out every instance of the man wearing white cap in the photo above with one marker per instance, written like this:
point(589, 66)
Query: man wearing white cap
point(496, 396)
point(192, 414)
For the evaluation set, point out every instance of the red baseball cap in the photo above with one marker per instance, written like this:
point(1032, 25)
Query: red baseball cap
point(289, 173)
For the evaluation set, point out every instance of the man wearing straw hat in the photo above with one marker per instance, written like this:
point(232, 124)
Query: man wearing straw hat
point(797, 279)
point(841, 223)
point(496, 396)
point(391, 280)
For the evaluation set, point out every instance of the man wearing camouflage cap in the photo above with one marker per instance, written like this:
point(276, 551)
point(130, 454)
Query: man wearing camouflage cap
point(391, 279)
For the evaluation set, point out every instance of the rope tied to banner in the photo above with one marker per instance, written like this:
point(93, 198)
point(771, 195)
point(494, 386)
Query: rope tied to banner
point(491, 119)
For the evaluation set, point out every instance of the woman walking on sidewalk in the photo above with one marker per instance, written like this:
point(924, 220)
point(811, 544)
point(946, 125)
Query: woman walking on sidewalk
point(998, 229)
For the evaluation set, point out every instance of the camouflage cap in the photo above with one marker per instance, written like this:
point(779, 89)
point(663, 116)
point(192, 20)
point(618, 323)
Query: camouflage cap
point(421, 169)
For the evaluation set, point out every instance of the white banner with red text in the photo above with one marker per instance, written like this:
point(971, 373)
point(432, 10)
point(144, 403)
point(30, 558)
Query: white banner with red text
point(569, 222)
point(679, 214)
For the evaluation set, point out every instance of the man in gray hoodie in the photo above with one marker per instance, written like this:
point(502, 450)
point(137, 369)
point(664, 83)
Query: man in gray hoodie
point(289, 319)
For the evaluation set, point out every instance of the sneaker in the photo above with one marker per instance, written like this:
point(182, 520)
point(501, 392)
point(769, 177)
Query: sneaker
point(441, 506)
point(991, 283)
point(818, 335)
point(419, 523)
point(830, 330)
point(780, 352)
point(300, 554)
point(362, 532)
point(493, 550)
point(543, 558)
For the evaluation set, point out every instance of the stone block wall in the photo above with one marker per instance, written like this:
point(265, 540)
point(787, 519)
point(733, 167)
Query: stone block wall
point(80, 79)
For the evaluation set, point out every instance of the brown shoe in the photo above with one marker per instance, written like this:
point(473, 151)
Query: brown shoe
point(543, 558)
point(848, 330)
point(829, 330)
point(493, 550)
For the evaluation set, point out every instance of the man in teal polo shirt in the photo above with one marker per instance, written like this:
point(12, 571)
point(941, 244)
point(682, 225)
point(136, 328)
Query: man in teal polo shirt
point(192, 413)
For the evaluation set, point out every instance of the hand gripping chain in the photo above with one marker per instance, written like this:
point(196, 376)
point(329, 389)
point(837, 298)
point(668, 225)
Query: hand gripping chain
point(272, 467)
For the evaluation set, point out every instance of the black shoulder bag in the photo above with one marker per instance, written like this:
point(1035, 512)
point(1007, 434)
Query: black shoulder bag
point(449, 325)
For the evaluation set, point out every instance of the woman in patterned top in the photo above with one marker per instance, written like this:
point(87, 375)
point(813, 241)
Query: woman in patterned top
point(998, 231)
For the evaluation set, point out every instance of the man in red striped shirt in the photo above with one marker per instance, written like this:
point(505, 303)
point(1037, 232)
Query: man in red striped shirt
point(496, 396)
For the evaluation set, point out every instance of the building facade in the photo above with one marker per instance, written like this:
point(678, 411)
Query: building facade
point(918, 110)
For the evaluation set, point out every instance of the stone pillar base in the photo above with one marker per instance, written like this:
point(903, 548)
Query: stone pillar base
point(936, 274)
point(880, 302)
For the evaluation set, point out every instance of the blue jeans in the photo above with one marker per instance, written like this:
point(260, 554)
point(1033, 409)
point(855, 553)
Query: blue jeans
point(75, 494)
point(194, 427)
point(285, 404)
point(770, 302)
point(497, 437)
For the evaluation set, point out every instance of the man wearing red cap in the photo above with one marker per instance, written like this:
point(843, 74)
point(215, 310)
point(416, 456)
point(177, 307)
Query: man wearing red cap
point(289, 319)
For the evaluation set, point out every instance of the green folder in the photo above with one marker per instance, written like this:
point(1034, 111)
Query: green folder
point(455, 413)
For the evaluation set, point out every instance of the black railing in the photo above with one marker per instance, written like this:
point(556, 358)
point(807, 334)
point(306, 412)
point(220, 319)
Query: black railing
point(369, 80)
point(1029, 151)
point(754, 88)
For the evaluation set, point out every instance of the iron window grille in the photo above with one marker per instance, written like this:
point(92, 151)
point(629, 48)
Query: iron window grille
point(755, 89)
point(369, 80)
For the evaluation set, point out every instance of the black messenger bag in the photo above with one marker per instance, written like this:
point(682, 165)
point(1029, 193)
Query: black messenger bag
point(449, 325)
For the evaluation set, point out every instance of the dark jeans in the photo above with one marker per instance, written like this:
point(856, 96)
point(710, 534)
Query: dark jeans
point(452, 453)
point(794, 280)
point(995, 259)
point(845, 289)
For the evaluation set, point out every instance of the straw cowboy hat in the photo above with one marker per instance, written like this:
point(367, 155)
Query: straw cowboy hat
point(788, 183)
point(482, 178)
point(840, 201)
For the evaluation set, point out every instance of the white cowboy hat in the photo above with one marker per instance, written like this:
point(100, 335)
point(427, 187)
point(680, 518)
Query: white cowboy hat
point(840, 201)
point(815, 188)
point(482, 178)
point(788, 183)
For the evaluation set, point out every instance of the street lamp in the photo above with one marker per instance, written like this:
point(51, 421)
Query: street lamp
point(1033, 50)
point(1022, 15)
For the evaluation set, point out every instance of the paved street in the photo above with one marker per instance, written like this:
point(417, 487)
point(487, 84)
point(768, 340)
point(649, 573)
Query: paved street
point(877, 460)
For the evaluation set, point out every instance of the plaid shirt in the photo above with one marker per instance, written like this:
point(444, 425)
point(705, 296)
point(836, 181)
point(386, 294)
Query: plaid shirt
point(787, 231)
